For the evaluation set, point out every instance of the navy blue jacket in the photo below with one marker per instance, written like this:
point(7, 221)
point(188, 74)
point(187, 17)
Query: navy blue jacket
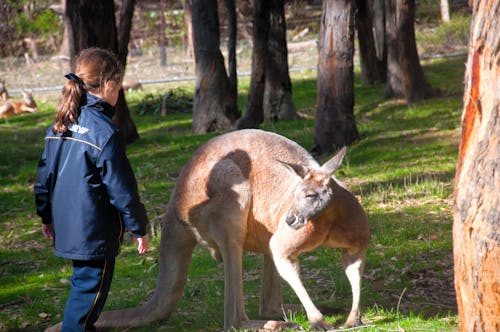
point(86, 187)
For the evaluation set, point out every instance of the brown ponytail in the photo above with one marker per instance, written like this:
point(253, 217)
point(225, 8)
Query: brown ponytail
point(68, 108)
point(93, 68)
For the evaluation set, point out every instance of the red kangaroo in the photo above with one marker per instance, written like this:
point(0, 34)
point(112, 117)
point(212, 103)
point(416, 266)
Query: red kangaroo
point(15, 107)
point(256, 191)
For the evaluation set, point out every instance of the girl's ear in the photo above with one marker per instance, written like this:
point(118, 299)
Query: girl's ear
point(110, 85)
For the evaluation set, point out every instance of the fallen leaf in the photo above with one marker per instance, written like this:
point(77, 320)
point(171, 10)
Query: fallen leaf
point(43, 315)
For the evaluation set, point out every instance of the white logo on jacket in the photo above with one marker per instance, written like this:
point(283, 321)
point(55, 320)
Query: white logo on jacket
point(78, 129)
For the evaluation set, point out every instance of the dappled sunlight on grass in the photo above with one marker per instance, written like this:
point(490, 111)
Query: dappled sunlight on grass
point(401, 171)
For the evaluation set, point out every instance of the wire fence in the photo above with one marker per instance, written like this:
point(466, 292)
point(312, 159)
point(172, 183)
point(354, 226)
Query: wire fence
point(47, 75)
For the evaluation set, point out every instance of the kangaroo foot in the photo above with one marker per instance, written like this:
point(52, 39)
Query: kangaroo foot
point(321, 326)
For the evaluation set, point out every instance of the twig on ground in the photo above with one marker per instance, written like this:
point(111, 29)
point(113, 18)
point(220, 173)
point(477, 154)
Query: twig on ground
point(11, 303)
point(397, 309)
point(352, 328)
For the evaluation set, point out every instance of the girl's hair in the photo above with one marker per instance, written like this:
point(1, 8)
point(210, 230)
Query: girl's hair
point(93, 68)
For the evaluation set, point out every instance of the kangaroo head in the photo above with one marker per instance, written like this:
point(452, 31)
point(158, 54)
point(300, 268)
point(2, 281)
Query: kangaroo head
point(314, 191)
point(28, 98)
point(27, 95)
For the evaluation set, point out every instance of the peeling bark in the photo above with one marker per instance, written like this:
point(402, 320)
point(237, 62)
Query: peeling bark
point(476, 226)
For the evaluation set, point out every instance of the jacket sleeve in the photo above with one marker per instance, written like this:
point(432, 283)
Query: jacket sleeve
point(42, 189)
point(120, 182)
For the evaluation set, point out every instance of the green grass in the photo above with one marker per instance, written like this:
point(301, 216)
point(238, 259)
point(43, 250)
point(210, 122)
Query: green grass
point(401, 171)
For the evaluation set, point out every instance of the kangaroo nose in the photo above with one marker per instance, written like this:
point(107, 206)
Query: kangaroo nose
point(290, 219)
point(295, 221)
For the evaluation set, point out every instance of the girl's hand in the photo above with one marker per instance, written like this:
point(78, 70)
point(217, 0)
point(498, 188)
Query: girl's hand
point(47, 231)
point(142, 244)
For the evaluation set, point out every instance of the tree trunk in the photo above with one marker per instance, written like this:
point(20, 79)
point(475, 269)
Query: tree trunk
point(476, 224)
point(278, 103)
point(373, 69)
point(122, 117)
point(124, 28)
point(335, 123)
point(67, 39)
point(90, 26)
point(162, 43)
point(405, 77)
point(255, 114)
point(231, 44)
point(378, 23)
point(188, 22)
point(445, 10)
point(214, 105)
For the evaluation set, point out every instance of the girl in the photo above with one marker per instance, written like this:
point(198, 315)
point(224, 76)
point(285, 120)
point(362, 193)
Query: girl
point(86, 193)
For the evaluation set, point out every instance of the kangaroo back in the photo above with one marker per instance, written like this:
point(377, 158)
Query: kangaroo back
point(250, 156)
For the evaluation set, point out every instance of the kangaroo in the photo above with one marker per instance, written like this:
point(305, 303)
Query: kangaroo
point(256, 191)
point(131, 84)
point(15, 107)
point(4, 95)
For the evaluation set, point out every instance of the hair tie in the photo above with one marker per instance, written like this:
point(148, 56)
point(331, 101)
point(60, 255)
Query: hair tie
point(74, 78)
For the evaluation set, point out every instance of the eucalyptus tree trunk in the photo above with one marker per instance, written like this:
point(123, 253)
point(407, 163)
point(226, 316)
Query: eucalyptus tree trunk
point(188, 22)
point(444, 5)
point(231, 44)
point(162, 42)
point(405, 77)
point(254, 114)
point(124, 27)
point(278, 103)
point(214, 106)
point(373, 67)
point(93, 24)
point(335, 123)
point(476, 224)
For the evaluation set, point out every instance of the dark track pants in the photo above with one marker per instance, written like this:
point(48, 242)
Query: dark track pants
point(90, 284)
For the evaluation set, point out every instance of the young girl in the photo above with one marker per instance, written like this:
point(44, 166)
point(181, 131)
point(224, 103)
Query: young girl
point(86, 193)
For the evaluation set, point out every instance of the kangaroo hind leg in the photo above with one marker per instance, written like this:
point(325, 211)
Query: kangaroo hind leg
point(271, 301)
point(354, 263)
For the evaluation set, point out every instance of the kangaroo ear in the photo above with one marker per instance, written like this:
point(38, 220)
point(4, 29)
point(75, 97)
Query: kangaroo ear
point(295, 169)
point(331, 165)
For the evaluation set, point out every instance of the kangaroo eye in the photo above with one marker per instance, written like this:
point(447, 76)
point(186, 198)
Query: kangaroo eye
point(312, 196)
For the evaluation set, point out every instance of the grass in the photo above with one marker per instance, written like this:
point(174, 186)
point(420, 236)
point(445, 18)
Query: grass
point(401, 171)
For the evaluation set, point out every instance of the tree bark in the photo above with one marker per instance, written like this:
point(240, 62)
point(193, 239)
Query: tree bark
point(278, 103)
point(378, 23)
point(162, 43)
point(373, 69)
point(90, 27)
point(444, 5)
point(214, 104)
point(405, 77)
point(188, 22)
point(231, 44)
point(67, 40)
point(124, 28)
point(476, 224)
point(335, 123)
point(255, 113)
